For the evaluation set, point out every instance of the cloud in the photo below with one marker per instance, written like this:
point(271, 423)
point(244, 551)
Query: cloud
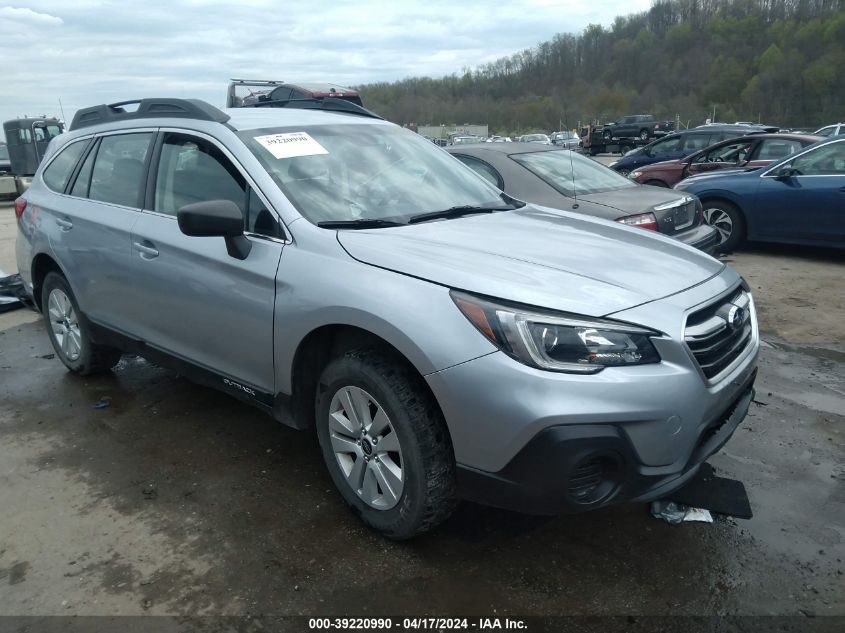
point(28, 15)
point(108, 50)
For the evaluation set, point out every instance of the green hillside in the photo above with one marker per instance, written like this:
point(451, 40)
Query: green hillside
point(779, 61)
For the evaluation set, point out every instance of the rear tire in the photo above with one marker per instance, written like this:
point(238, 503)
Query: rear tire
point(728, 221)
point(69, 331)
point(385, 443)
point(643, 135)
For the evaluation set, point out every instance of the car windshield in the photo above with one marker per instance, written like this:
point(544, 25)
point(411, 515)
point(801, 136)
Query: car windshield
point(355, 171)
point(572, 174)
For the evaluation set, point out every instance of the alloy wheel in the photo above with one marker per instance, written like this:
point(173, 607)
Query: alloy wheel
point(64, 324)
point(721, 221)
point(366, 447)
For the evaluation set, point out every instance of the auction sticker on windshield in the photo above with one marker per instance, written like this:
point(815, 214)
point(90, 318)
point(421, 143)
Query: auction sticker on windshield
point(291, 145)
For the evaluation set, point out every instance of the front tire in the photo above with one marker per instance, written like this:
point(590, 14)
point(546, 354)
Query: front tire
point(728, 221)
point(69, 332)
point(643, 135)
point(385, 443)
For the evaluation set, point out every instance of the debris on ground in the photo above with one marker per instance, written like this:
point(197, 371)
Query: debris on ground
point(103, 403)
point(675, 513)
point(12, 293)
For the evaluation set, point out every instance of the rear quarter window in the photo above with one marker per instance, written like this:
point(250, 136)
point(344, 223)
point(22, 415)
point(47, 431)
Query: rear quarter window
point(58, 172)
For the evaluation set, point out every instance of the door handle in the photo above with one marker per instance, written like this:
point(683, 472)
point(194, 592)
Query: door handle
point(64, 225)
point(147, 252)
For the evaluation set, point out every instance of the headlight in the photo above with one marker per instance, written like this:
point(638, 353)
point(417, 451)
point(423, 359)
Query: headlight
point(635, 174)
point(681, 186)
point(558, 342)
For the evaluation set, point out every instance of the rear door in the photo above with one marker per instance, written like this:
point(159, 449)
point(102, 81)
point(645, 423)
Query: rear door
point(809, 205)
point(196, 302)
point(95, 222)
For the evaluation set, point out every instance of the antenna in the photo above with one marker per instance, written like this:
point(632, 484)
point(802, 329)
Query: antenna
point(62, 109)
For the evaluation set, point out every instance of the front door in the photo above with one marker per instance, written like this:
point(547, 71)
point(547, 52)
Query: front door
point(196, 302)
point(803, 198)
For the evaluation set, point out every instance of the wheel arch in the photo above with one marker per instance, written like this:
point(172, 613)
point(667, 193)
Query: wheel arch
point(42, 265)
point(321, 345)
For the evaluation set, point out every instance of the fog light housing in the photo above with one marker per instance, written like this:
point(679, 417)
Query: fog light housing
point(594, 479)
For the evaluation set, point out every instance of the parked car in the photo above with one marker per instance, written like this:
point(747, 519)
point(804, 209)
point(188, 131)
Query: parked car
point(541, 139)
point(565, 180)
point(566, 140)
point(745, 152)
point(798, 200)
point(282, 91)
point(831, 130)
point(342, 274)
point(464, 140)
point(640, 126)
point(680, 144)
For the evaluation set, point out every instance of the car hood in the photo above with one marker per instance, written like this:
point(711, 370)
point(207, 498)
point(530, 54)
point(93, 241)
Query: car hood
point(663, 164)
point(631, 200)
point(539, 257)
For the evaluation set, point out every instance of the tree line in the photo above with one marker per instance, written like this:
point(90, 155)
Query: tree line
point(780, 62)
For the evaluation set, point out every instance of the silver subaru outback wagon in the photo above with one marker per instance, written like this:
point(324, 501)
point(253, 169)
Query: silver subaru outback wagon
point(443, 340)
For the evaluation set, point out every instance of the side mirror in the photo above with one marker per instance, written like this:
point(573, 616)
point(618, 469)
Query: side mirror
point(216, 218)
point(786, 173)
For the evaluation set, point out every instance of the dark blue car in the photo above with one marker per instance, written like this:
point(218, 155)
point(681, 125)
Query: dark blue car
point(799, 199)
point(683, 143)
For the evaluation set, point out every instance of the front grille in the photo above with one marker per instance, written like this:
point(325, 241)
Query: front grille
point(718, 334)
point(585, 479)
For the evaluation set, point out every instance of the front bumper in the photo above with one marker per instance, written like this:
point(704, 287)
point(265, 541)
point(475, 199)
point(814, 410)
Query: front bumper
point(568, 469)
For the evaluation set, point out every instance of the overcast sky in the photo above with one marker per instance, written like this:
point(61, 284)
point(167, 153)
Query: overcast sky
point(87, 52)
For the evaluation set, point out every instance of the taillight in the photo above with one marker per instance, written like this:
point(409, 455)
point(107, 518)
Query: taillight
point(20, 207)
point(643, 221)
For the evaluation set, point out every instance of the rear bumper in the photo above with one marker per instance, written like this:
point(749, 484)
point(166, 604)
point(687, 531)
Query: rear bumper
point(575, 468)
point(703, 237)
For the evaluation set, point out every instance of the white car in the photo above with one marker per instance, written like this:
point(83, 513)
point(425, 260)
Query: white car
point(831, 130)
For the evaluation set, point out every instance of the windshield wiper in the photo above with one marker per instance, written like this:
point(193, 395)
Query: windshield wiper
point(361, 223)
point(456, 212)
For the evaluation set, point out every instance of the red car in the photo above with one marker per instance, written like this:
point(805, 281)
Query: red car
point(745, 152)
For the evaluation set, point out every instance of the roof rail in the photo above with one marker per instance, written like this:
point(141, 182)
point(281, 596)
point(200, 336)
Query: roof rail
point(258, 82)
point(324, 103)
point(148, 109)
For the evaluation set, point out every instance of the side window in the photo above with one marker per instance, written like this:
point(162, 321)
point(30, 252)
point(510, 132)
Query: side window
point(83, 179)
point(296, 94)
point(775, 148)
point(482, 169)
point(828, 160)
point(118, 173)
point(193, 170)
point(58, 173)
point(280, 94)
point(259, 219)
point(826, 131)
point(694, 142)
point(730, 153)
point(24, 136)
point(666, 146)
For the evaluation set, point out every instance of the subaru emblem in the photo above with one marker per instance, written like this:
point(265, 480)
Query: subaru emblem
point(736, 317)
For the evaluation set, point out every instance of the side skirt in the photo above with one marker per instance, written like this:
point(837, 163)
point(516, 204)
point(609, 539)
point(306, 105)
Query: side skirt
point(278, 406)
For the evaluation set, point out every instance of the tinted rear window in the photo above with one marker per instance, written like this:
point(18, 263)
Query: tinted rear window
point(58, 172)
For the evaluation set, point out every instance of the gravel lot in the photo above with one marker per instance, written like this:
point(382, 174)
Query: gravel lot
point(179, 500)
